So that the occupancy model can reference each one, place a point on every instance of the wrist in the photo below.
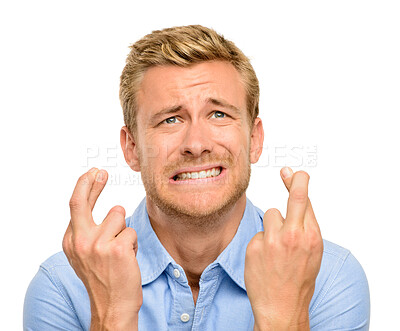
(267, 322)
(114, 324)
(113, 318)
(270, 324)
(281, 325)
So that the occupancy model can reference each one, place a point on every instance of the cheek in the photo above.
(159, 156)
(156, 149)
(234, 141)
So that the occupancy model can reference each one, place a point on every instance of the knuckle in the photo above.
(119, 222)
(132, 233)
(65, 244)
(81, 245)
(298, 195)
(119, 210)
(271, 241)
(313, 235)
(315, 240)
(130, 230)
(98, 248)
(74, 202)
(118, 250)
(272, 212)
(117, 215)
(254, 246)
(291, 238)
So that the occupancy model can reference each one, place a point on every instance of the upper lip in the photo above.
(196, 169)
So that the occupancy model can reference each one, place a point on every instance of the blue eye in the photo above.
(171, 120)
(219, 114)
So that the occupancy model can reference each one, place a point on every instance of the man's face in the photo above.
(193, 138)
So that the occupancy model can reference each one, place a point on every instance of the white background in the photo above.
(329, 75)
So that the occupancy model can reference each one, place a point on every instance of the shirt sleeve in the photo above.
(45, 307)
(346, 303)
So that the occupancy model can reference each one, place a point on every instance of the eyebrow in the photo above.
(165, 111)
(224, 104)
(174, 109)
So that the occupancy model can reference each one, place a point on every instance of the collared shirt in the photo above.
(57, 299)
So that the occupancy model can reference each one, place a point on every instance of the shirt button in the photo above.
(185, 317)
(177, 273)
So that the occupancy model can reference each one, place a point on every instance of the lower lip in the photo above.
(200, 180)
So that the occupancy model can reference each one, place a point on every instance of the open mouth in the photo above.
(208, 173)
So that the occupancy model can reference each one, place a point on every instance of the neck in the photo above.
(194, 247)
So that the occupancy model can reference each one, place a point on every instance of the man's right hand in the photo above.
(104, 257)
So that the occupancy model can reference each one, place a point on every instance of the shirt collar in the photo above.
(153, 258)
(233, 257)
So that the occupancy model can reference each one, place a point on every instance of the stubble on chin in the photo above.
(199, 213)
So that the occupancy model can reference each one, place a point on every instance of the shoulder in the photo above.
(55, 297)
(338, 263)
(61, 274)
(341, 295)
(57, 260)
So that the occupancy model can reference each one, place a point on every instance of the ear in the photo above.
(256, 140)
(130, 149)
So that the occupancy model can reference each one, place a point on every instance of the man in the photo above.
(196, 254)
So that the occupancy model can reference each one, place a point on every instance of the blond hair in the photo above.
(182, 46)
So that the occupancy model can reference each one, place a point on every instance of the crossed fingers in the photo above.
(87, 190)
(84, 197)
(300, 214)
(299, 209)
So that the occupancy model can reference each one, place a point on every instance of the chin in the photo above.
(200, 205)
(197, 205)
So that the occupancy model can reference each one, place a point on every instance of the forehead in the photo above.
(165, 86)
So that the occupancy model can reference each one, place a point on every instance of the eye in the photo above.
(171, 120)
(218, 114)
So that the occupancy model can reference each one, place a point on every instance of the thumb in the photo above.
(287, 176)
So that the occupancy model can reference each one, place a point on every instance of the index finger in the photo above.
(298, 199)
(81, 215)
(309, 217)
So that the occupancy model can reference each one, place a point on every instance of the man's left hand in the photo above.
(283, 261)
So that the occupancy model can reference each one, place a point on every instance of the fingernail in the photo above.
(286, 172)
(100, 176)
(93, 169)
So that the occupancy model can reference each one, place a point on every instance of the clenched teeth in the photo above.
(198, 174)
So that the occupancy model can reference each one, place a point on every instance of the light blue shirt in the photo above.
(57, 299)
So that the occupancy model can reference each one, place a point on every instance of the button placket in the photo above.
(183, 298)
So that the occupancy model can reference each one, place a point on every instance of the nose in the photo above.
(197, 141)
